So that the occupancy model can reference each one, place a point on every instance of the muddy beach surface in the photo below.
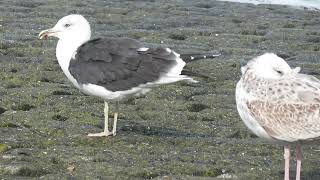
(178, 131)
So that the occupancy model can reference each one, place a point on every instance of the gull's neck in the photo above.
(65, 51)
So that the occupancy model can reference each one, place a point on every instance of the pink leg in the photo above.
(299, 158)
(286, 161)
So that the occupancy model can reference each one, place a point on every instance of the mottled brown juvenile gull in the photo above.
(112, 68)
(280, 104)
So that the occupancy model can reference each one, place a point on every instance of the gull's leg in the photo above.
(106, 131)
(286, 161)
(299, 158)
(115, 119)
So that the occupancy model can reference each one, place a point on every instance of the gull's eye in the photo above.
(279, 72)
(67, 25)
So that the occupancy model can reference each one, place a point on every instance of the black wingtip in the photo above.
(193, 57)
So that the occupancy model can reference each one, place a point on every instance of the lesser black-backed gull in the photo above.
(280, 104)
(112, 68)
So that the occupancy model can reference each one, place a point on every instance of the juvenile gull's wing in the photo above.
(287, 122)
(120, 64)
(292, 110)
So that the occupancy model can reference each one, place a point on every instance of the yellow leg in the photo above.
(115, 119)
(106, 131)
(106, 116)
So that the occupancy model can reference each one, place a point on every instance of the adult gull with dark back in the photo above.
(113, 68)
(280, 104)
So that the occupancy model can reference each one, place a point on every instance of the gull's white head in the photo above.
(73, 27)
(270, 66)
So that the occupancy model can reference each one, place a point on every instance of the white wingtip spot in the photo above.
(143, 49)
(74, 55)
(192, 57)
(168, 50)
(204, 57)
(296, 70)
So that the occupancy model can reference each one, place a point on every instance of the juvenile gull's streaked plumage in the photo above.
(279, 103)
(112, 68)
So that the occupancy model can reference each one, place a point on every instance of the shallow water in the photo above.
(313, 4)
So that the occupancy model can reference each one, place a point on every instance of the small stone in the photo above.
(227, 176)
(71, 168)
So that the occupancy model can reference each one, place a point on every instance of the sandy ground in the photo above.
(178, 131)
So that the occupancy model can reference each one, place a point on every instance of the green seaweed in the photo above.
(3, 148)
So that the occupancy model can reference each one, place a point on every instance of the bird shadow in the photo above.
(139, 128)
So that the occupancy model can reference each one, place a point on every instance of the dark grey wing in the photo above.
(118, 64)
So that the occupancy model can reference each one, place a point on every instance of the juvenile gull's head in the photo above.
(73, 27)
(270, 66)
